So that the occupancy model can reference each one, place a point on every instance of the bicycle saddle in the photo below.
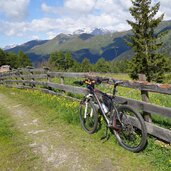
(117, 82)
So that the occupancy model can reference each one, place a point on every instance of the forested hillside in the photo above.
(91, 46)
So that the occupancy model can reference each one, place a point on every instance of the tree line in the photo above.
(63, 61)
(19, 60)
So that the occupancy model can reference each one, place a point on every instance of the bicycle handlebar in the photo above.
(92, 81)
(98, 80)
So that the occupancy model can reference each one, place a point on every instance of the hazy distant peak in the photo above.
(94, 31)
(100, 31)
(9, 46)
(81, 31)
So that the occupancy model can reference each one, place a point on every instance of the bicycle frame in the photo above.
(93, 92)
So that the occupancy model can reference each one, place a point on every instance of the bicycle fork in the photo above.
(88, 98)
(86, 109)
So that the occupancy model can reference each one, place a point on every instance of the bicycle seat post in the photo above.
(114, 89)
(116, 83)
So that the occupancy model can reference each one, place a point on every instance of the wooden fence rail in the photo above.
(140, 85)
(41, 79)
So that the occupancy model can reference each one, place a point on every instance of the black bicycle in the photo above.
(127, 124)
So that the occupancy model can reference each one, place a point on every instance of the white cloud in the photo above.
(71, 8)
(84, 6)
(75, 14)
(14, 9)
(35, 37)
(109, 14)
(47, 9)
(51, 35)
(165, 8)
(42, 25)
(13, 28)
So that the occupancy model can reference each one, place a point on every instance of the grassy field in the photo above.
(15, 153)
(53, 110)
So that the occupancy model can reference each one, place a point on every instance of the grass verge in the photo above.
(54, 110)
(15, 153)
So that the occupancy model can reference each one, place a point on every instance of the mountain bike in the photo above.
(122, 120)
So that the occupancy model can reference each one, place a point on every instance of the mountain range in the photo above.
(92, 45)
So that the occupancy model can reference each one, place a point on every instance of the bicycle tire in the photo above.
(132, 128)
(89, 121)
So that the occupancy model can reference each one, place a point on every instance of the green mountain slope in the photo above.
(109, 46)
(84, 45)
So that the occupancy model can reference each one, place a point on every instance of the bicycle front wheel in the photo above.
(131, 133)
(88, 116)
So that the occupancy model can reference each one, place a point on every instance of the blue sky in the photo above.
(24, 20)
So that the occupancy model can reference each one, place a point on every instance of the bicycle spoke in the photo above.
(132, 133)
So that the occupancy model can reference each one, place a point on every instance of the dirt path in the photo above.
(45, 141)
(48, 143)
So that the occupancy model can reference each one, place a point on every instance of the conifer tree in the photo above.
(86, 65)
(63, 61)
(145, 42)
(23, 60)
(102, 65)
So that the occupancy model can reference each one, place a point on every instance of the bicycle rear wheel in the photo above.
(131, 133)
(88, 116)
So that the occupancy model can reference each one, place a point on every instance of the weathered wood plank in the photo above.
(19, 86)
(58, 94)
(159, 132)
(68, 88)
(30, 83)
(67, 74)
(151, 108)
(33, 76)
(8, 76)
(22, 76)
(152, 129)
(37, 70)
(140, 85)
(10, 73)
(146, 86)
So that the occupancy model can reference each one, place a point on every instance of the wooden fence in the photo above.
(41, 79)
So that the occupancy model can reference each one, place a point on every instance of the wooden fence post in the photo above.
(32, 79)
(145, 98)
(21, 71)
(17, 75)
(62, 80)
(46, 70)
